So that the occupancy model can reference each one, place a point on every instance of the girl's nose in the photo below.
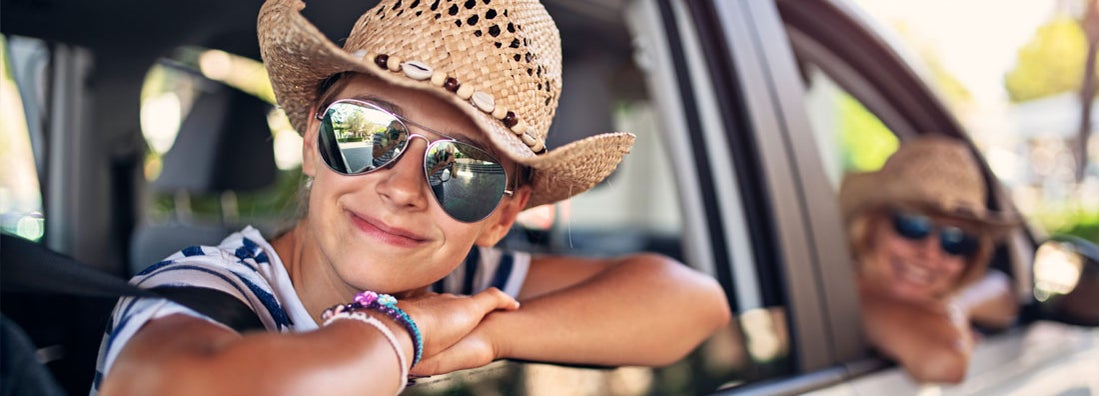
(403, 183)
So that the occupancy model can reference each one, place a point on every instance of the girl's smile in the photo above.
(378, 230)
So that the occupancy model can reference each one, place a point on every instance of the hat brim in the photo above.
(304, 57)
(864, 191)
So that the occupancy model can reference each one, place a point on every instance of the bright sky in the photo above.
(976, 40)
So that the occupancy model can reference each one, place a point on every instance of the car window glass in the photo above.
(20, 195)
(850, 138)
(638, 208)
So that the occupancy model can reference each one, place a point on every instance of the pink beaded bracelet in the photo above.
(389, 336)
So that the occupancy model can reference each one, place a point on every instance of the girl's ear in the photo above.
(309, 146)
(500, 222)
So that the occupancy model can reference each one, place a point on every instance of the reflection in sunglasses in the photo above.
(358, 137)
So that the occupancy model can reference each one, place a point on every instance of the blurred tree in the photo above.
(1054, 62)
(1051, 63)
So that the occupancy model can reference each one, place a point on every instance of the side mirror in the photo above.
(1066, 280)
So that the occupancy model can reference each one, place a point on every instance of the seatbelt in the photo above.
(30, 267)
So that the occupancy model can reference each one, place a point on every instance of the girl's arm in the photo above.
(185, 355)
(181, 354)
(644, 309)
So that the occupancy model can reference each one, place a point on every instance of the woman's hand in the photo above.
(929, 340)
(447, 321)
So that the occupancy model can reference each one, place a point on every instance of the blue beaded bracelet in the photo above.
(386, 304)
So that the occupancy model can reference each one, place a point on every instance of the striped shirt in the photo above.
(245, 266)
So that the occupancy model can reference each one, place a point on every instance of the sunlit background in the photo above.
(1013, 73)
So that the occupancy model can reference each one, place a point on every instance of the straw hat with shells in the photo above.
(499, 61)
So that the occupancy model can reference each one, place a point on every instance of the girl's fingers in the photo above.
(470, 352)
(492, 299)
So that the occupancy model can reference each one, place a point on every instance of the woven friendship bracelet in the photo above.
(386, 304)
(389, 336)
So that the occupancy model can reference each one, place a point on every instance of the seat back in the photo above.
(224, 146)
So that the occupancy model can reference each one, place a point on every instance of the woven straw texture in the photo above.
(934, 172)
(507, 49)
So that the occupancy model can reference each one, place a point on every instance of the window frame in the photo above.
(750, 60)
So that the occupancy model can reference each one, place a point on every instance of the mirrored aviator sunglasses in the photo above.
(916, 227)
(358, 137)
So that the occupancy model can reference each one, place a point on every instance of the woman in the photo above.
(922, 237)
(352, 296)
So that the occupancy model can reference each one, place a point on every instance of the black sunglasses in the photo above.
(358, 137)
(915, 226)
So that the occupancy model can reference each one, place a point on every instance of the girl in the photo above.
(358, 294)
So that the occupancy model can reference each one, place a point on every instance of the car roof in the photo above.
(154, 27)
(150, 29)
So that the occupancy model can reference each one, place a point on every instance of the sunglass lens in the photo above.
(356, 139)
(957, 242)
(466, 181)
(911, 226)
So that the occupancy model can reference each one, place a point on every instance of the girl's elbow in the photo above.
(714, 296)
(707, 295)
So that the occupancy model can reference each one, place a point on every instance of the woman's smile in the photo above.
(913, 274)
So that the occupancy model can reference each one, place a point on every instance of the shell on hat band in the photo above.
(483, 101)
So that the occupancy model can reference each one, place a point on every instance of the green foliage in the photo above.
(1088, 230)
(1051, 63)
(1071, 220)
(867, 142)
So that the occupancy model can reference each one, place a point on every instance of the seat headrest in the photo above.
(223, 144)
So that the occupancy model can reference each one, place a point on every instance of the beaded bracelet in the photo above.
(389, 336)
(387, 305)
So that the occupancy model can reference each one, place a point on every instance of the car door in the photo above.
(714, 125)
(837, 53)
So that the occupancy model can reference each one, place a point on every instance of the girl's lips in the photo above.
(382, 232)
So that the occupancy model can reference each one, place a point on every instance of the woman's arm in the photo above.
(643, 309)
(989, 302)
(930, 344)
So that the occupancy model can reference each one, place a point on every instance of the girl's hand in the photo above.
(446, 322)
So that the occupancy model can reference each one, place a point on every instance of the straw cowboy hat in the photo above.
(499, 61)
(935, 173)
